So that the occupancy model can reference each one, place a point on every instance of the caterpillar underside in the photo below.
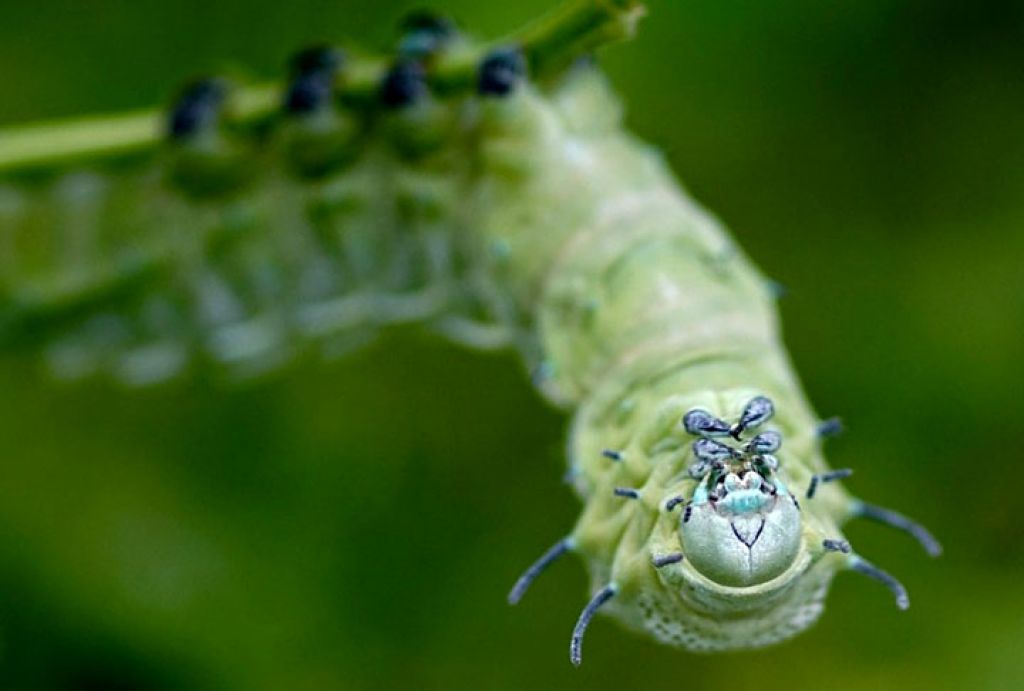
(503, 204)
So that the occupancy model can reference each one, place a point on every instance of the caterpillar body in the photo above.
(493, 195)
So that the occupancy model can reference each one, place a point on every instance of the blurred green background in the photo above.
(356, 525)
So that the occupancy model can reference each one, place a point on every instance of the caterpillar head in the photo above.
(742, 527)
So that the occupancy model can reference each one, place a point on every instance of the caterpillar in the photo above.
(490, 193)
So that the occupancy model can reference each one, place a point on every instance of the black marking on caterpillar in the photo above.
(197, 108)
(313, 74)
(424, 34)
(836, 545)
(496, 209)
(501, 71)
(404, 85)
(674, 502)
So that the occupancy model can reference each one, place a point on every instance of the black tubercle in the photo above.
(703, 423)
(832, 427)
(766, 442)
(711, 451)
(665, 560)
(717, 456)
(758, 411)
(500, 71)
(317, 58)
(197, 108)
(313, 72)
(403, 85)
(674, 502)
(424, 33)
(831, 545)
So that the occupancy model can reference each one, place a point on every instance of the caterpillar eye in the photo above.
(747, 537)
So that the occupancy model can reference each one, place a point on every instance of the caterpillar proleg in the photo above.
(490, 193)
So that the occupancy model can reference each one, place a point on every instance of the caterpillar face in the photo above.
(742, 533)
(742, 527)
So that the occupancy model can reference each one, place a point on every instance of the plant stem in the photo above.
(575, 29)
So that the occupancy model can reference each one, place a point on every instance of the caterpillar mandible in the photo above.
(490, 193)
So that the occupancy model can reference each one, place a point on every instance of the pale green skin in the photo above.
(557, 232)
(645, 309)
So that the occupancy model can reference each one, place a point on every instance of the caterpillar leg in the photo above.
(576, 645)
(564, 545)
(857, 563)
(900, 522)
(879, 514)
(410, 307)
(473, 334)
(602, 596)
(821, 478)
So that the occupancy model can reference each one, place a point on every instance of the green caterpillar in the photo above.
(489, 193)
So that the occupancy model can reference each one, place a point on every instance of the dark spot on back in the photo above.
(197, 108)
(319, 58)
(500, 71)
(312, 83)
(424, 33)
(404, 84)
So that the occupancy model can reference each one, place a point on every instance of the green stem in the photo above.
(576, 28)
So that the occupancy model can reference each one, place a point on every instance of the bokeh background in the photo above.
(356, 525)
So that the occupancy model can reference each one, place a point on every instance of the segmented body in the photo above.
(498, 211)
(138, 278)
(646, 309)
